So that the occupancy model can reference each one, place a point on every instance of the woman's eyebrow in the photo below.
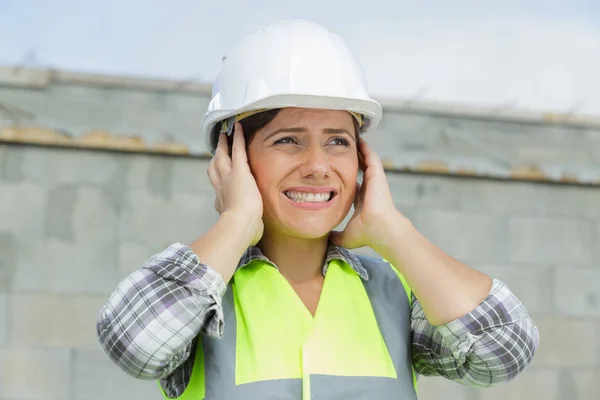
(336, 130)
(286, 130)
(332, 131)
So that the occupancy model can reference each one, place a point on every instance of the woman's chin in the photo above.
(309, 229)
(304, 225)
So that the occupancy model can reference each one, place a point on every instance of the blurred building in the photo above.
(97, 173)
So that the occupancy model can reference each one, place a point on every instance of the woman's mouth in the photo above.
(309, 197)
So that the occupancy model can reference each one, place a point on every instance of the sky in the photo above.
(531, 54)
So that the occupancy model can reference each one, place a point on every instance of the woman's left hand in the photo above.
(374, 207)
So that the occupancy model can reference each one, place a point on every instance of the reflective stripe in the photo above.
(391, 312)
(220, 354)
(410, 300)
(326, 387)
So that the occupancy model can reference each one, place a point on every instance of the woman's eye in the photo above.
(286, 140)
(340, 142)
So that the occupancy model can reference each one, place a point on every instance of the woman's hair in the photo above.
(256, 122)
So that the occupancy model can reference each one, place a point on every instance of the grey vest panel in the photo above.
(392, 311)
(324, 387)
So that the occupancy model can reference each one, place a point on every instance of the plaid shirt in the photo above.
(150, 324)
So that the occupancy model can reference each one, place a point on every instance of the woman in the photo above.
(270, 303)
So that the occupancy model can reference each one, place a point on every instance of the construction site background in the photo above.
(97, 173)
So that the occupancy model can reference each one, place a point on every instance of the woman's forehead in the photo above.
(317, 117)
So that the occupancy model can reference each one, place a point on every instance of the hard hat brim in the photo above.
(369, 108)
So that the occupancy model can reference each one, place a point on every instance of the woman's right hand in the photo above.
(237, 195)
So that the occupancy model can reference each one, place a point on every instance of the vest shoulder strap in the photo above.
(383, 268)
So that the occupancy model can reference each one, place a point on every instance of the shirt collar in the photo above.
(334, 252)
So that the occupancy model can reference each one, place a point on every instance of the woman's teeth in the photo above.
(303, 197)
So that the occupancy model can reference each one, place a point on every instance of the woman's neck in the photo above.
(299, 260)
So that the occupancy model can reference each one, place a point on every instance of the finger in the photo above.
(369, 156)
(214, 177)
(211, 165)
(361, 161)
(239, 155)
(217, 205)
(215, 181)
(222, 151)
(366, 151)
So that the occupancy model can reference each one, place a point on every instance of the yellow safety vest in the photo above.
(356, 347)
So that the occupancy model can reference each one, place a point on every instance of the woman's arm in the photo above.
(446, 288)
(148, 325)
(149, 322)
(466, 326)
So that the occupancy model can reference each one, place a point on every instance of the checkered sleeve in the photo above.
(490, 345)
(149, 323)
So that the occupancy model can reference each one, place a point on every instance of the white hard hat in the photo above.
(293, 63)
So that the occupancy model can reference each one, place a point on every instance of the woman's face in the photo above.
(305, 163)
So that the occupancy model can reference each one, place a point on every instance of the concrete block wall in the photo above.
(71, 107)
(73, 223)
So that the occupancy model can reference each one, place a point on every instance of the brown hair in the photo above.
(256, 122)
(250, 124)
